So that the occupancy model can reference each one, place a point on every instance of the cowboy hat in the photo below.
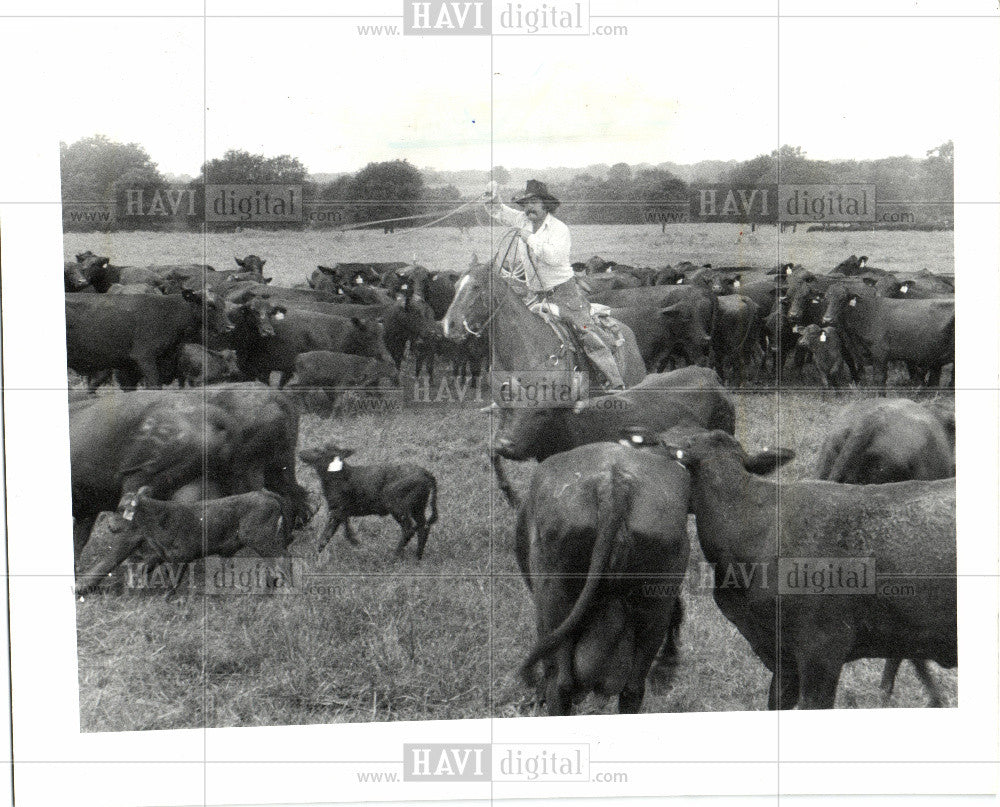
(535, 190)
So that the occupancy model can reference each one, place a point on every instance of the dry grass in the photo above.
(367, 637)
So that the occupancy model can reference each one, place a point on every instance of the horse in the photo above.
(520, 340)
(492, 294)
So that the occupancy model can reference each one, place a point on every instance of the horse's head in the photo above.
(468, 311)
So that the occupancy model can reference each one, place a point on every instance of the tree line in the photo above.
(122, 178)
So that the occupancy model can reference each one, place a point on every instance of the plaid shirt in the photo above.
(549, 246)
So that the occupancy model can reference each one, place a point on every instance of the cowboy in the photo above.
(550, 276)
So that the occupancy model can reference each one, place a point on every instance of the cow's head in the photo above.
(261, 314)
(800, 298)
(211, 307)
(527, 433)
(326, 459)
(73, 278)
(326, 278)
(251, 263)
(839, 299)
(690, 326)
(230, 363)
(726, 284)
(366, 338)
(91, 261)
(697, 449)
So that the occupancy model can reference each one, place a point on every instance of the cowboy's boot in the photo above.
(602, 358)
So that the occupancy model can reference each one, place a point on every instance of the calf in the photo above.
(322, 374)
(602, 544)
(181, 532)
(906, 529)
(827, 352)
(401, 490)
(197, 366)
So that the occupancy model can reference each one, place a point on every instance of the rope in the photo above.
(362, 224)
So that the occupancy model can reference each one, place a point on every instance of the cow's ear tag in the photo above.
(680, 280)
(404, 287)
(736, 284)
(279, 315)
(788, 270)
(822, 337)
(359, 280)
(637, 439)
(854, 302)
(679, 454)
(129, 512)
(904, 288)
(337, 464)
(340, 290)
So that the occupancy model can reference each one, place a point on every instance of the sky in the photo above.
(679, 90)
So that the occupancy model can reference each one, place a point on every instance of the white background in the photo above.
(680, 89)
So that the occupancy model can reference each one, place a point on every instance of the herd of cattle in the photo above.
(747, 323)
(601, 535)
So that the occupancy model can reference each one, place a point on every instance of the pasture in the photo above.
(363, 636)
(291, 256)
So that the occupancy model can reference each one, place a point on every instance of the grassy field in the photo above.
(367, 637)
(291, 257)
(363, 636)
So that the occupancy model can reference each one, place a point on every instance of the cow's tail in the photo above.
(613, 498)
(852, 452)
(503, 482)
(433, 501)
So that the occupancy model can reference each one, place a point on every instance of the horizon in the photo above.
(518, 169)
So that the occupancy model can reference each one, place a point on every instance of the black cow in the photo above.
(437, 290)
(300, 332)
(691, 395)
(857, 266)
(906, 528)
(220, 440)
(602, 544)
(252, 264)
(242, 291)
(918, 332)
(827, 351)
(197, 366)
(736, 338)
(73, 278)
(402, 490)
(121, 442)
(669, 276)
(410, 322)
(908, 288)
(320, 375)
(875, 442)
(131, 333)
(878, 441)
(181, 532)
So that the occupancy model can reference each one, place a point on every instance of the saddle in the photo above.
(609, 332)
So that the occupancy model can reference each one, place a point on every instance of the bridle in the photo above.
(508, 276)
